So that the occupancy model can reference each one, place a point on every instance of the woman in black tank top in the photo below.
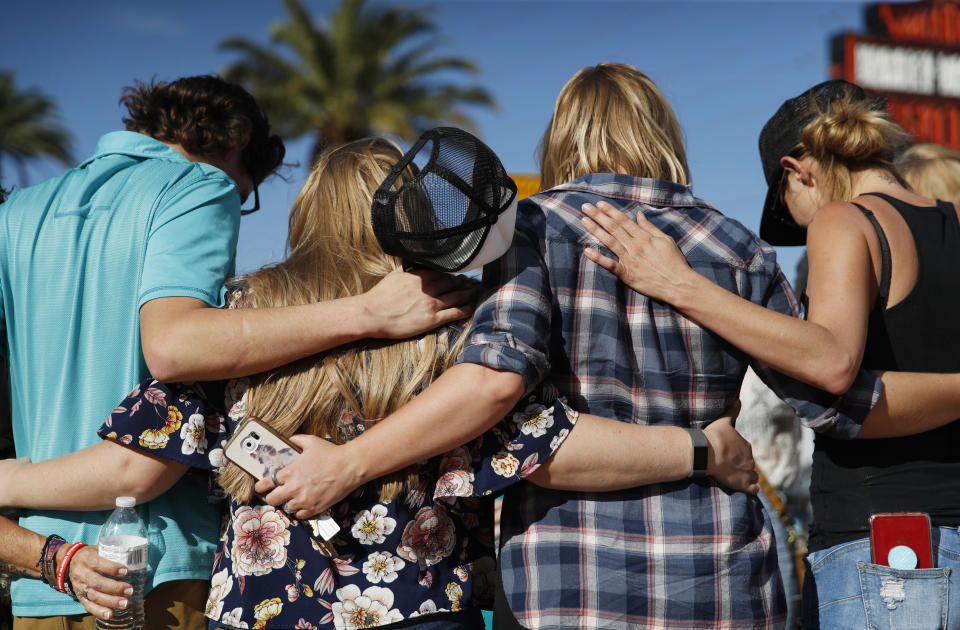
(884, 294)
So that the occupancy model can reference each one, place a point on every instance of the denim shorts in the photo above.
(843, 589)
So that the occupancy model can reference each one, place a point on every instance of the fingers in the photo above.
(455, 314)
(602, 228)
(279, 495)
(604, 261)
(99, 594)
(303, 442)
(461, 298)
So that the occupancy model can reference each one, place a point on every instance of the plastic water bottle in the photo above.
(123, 539)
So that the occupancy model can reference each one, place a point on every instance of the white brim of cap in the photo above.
(498, 239)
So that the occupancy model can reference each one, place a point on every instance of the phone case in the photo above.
(891, 531)
(258, 450)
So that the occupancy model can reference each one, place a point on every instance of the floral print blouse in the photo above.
(429, 550)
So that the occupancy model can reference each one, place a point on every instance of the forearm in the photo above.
(801, 349)
(460, 405)
(88, 479)
(913, 403)
(601, 454)
(20, 549)
(202, 343)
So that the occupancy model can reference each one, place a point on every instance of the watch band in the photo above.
(700, 453)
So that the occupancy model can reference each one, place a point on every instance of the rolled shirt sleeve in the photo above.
(511, 326)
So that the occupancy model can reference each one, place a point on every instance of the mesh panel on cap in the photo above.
(440, 217)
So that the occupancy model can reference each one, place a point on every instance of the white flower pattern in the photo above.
(382, 565)
(373, 525)
(373, 607)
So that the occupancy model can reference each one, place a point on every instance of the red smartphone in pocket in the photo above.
(901, 540)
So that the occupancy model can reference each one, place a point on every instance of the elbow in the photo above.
(148, 481)
(839, 376)
(163, 361)
(501, 388)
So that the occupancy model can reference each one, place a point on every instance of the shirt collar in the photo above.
(132, 144)
(648, 191)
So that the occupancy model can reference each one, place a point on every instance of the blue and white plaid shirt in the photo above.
(686, 554)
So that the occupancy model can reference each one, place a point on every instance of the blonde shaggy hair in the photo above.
(932, 171)
(334, 254)
(611, 118)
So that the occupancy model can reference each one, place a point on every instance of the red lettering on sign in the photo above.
(936, 21)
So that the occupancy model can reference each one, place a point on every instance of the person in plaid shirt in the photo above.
(670, 555)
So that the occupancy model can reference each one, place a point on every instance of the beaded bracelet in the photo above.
(64, 564)
(48, 559)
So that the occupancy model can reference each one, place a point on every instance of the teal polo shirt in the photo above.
(79, 255)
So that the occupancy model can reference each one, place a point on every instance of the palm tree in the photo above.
(367, 69)
(28, 127)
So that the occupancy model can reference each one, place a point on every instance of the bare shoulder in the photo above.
(838, 221)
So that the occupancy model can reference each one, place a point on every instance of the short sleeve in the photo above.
(837, 416)
(511, 326)
(182, 422)
(510, 451)
(192, 242)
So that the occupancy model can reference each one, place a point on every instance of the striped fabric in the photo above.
(687, 554)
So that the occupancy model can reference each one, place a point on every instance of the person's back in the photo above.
(916, 472)
(79, 255)
(617, 353)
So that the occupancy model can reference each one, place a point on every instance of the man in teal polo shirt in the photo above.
(114, 271)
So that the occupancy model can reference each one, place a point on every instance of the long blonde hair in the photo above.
(847, 135)
(611, 118)
(932, 171)
(334, 254)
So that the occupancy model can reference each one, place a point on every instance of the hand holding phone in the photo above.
(260, 452)
(901, 540)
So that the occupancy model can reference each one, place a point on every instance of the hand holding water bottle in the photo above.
(99, 594)
(123, 539)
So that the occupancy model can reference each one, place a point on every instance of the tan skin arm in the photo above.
(109, 469)
(478, 397)
(825, 351)
(184, 339)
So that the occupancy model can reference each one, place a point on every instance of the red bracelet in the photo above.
(62, 569)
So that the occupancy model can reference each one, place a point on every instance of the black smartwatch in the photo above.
(700, 453)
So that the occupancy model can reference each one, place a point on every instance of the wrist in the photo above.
(700, 454)
(364, 321)
(357, 467)
(685, 291)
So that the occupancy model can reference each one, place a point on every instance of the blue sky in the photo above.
(724, 66)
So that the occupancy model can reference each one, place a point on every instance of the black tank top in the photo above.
(852, 479)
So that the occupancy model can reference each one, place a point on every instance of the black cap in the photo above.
(779, 137)
(439, 219)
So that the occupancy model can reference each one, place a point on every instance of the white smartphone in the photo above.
(259, 451)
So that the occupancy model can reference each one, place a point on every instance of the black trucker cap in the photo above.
(441, 217)
(778, 138)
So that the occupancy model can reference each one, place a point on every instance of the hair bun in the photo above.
(852, 131)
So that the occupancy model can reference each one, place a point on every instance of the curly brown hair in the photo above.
(206, 116)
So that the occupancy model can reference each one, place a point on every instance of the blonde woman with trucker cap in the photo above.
(883, 294)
